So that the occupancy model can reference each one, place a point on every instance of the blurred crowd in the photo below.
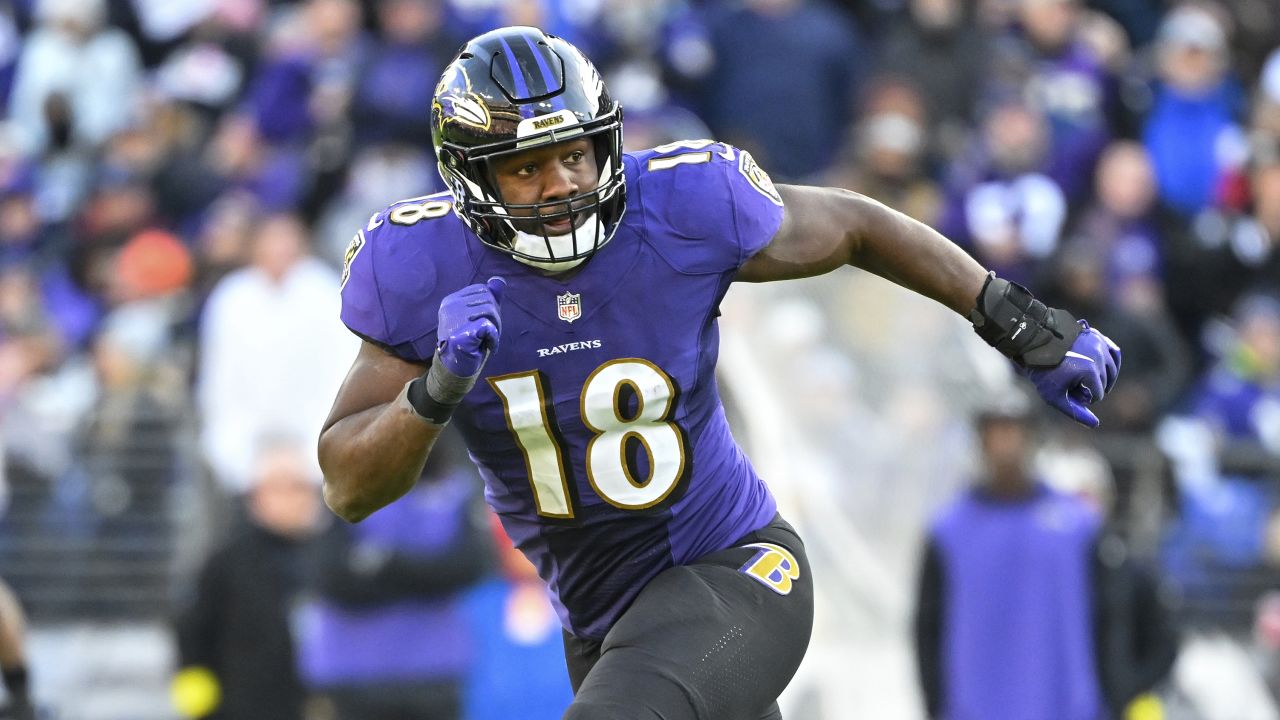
(179, 178)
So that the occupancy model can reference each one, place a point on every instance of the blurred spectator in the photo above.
(28, 342)
(236, 658)
(379, 175)
(1266, 109)
(1191, 130)
(1226, 253)
(1023, 611)
(20, 223)
(334, 50)
(146, 287)
(290, 142)
(1254, 26)
(242, 160)
(11, 39)
(1139, 18)
(1110, 269)
(269, 337)
(164, 20)
(77, 78)
(224, 240)
(1227, 448)
(1121, 225)
(13, 658)
(1106, 39)
(644, 31)
(141, 395)
(396, 82)
(308, 72)
(201, 72)
(120, 204)
(125, 451)
(1266, 639)
(384, 585)
(784, 82)
(888, 155)
(1240, 396)
(185, 177)
(37, 411)
(518, 666)
(939, 49)
(1001, 205)
(1049, 66)
(663, 53)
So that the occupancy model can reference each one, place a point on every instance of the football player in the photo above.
(558, 304)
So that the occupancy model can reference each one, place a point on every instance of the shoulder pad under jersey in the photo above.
(398, 267)
(707, 206)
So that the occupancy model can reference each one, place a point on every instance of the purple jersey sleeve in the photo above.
(713, 202)
(396, 270)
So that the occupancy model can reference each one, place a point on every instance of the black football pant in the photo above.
(718, 639)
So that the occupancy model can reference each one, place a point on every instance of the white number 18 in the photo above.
(525, 401)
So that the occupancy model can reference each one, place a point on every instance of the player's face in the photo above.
(545, 175)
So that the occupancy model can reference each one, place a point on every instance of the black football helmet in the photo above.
(509, 90)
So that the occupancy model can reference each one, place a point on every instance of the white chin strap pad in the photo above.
(561, 246)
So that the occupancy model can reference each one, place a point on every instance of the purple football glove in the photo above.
(1085, 375)
(470, 325)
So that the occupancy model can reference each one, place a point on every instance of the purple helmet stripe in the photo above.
(548, 78)
(522, 89)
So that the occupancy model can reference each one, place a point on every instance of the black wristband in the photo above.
(426, 406)
(15, 681)
(1021, 327)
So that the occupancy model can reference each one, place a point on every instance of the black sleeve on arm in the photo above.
(1010, 319)
(928, 626)
(350, 574)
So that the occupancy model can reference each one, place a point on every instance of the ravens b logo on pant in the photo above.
(774, 566)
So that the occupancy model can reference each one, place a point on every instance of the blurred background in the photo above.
(178, 182)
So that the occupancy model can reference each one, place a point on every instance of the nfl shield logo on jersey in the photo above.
(569, 305)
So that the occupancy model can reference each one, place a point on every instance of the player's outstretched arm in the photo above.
(1070, 364)
(388, 412)
(826, 228)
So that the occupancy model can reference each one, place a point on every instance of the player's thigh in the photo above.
(718, 639)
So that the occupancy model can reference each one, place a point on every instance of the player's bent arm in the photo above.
(824, 228)
(373, 445)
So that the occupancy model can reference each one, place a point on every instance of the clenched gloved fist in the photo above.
(1071, 364)
(470, 325)
(1086, 373)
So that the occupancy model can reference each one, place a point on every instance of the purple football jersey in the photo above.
(596, 424)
